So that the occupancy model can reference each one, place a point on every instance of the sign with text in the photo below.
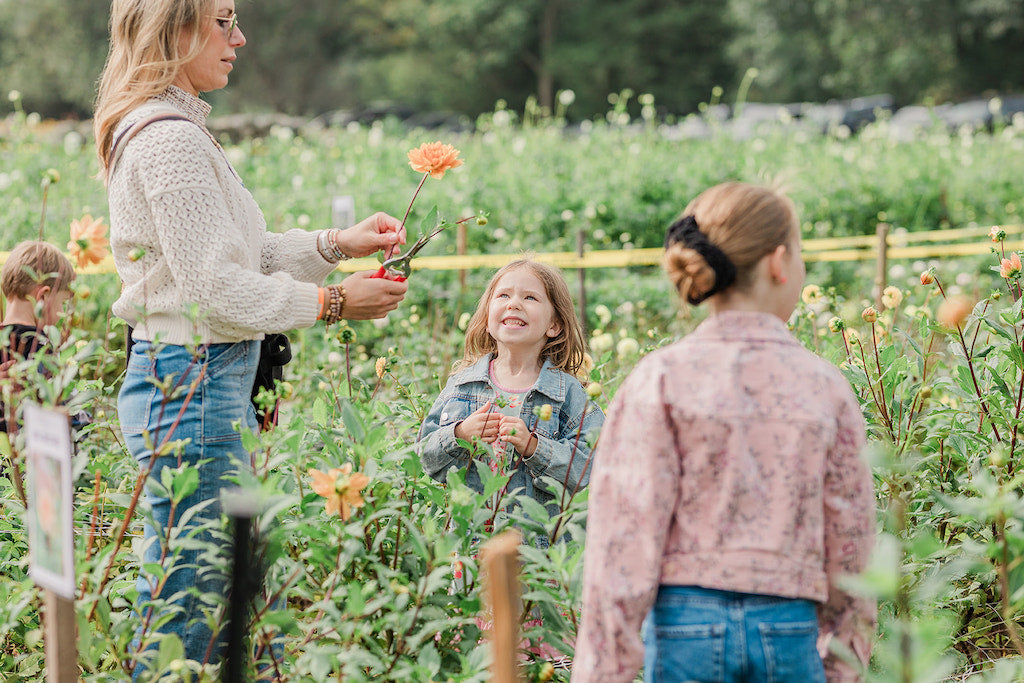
(50, 519)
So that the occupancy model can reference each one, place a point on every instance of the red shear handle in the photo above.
(382, 273)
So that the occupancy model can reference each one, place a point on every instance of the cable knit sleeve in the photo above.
(294, 252)
(212, 239)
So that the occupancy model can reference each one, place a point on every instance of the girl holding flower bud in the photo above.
(728, 494)
(525, 342)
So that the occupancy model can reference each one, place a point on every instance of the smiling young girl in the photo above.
(524, 346)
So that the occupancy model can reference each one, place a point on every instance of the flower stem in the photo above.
(408, 210)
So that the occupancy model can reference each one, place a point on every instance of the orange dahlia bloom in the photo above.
(954, 311)
(341, 487)
(1010, 267)
(88, 240)
(434, 158)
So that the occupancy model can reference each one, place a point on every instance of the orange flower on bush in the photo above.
(954, 310)
(1010, 267)
(434, 158)
(89, 241)
(341, 487)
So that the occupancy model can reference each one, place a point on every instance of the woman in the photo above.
(203, 282)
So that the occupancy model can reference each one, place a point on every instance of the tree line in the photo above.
(464, 56)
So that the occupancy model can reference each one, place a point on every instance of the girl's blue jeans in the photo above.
(184, 570)
(701, 635)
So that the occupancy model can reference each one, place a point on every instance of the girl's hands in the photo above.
(482, 423)
(370, 235)
(367, 297)
(514, 431)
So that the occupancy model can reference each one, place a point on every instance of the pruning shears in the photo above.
(398, 268)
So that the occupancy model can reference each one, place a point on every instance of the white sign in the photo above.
(50, 503)
(343, 211)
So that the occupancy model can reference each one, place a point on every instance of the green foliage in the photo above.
(374, 597)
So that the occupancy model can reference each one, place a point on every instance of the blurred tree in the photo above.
(465, 55)
(912, 49)
(52, 52)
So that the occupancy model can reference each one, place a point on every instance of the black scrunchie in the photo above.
(686, 231)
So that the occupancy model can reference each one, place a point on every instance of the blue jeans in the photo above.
(187, 540)
(701, 635)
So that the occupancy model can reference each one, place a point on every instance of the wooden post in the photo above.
(882, 261)
(61, 645)
(581, 237)
(460, 249)
(500, 557)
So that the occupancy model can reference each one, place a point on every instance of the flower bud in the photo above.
(870, 315)
(285, 390)
(927, 277)
(543, 412)
(481, 220)
(346, 335)
(594, 390)
(136, 254)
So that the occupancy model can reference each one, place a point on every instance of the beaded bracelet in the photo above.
(327, 245)
(335, 297)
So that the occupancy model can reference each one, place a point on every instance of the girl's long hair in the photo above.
(744, 221)
(566, 350)
(150, 41)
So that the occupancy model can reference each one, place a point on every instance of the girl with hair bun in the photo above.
(728, 495)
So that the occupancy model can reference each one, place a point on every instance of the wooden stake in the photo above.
(460, 249)
(882, 261)
(60, 633)
(500, 557)
(581, 238)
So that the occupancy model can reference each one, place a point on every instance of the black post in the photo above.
(243, 586)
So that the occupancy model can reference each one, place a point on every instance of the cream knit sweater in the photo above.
(209, 271)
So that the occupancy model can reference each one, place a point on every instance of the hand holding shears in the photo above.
(398, 268)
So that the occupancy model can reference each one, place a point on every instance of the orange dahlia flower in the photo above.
(341, 487)
(954, 311)
(434, 158)
(88, 240)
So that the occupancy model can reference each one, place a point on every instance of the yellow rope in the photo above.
(851, 248)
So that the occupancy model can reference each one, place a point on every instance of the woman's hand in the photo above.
(482, 424)
(367, 298)
(514, 431)
(370, 235)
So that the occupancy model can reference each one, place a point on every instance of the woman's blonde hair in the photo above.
(744, 221)
(150, 41)
(565, 350)
(34, 264)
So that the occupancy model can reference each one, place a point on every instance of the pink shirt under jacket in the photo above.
(729, 460)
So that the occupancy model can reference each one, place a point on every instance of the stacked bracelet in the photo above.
(327, 245)
(334, 307)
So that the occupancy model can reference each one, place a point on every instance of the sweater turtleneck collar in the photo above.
(191, 106)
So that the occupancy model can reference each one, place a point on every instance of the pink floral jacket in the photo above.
(729, 460)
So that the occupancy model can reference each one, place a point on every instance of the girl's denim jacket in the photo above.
(563, 450)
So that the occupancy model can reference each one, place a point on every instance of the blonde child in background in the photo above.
(524, 347)
(728, 494)
(36, 283)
